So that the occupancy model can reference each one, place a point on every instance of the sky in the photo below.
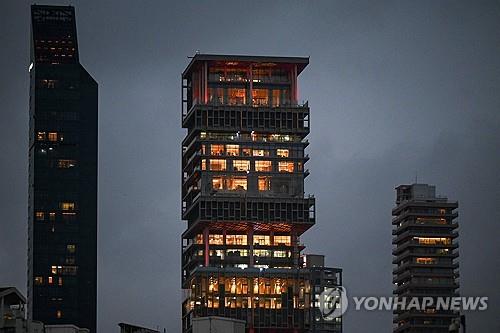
(398, 90)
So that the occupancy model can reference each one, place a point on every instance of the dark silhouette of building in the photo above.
(243, 192)
(425, 256)
(62, 250)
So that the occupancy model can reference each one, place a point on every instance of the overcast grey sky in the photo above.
(395, 88)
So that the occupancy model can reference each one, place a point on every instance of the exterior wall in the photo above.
(62, 226)
(218, 324)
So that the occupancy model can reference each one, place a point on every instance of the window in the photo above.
(217, 165)
(217, 150)
(50, 280)
(59, 314)
(38, 280)
(217, 183)
(236, 96)
(52, 216)
(241, 165)
(276, 97)
(232, 150)
(203, 164)
(426, 261)
(282, 152)
(261, 240)
(260, 152)
(264, 183)
(285, 166)
(67, 206)
(265, 166)
(237, 252)
(40, 136)
(246, 151)
(281, 254)
(71, 248)
(66, 164)
(53, 136)
(282, 240)
(216, 239)
(236, 239)
(198, 239)
(60, 281)
(260, 97)
(237, 183)
(40, 216)
(216, 95)
(262, 253)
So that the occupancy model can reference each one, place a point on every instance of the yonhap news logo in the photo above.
(333, 303)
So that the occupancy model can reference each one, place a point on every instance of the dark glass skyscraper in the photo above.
(243, 194)
(62, 249)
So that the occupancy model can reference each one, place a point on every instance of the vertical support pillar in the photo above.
(205, 82)
(295, 245)
(205, 242)
(250, 243)
(250, 90)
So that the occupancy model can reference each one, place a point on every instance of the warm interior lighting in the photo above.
(285, 167)
(232, 150)
(264, 183)
(282, 240)
(282, 152)
(216, 150)
(216, 239)
(52, 136)
(66, 164)
(217, 165)
(261, 240)
(263, 166)
(241, 165)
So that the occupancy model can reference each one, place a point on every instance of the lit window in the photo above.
(232, 150)
(236, 239)
(217, 165)
(246, 151)
(40, 216)
(60, 281)
(71, 248)
(260, 97)
(52, 216)
(282, 152)
(426, 261)
(282, 240)
(285, 166)
(261, 240)
(264, 183)
(215, 239)
(237, 252)
(281, 254)
(52, 136)
(236, 96)
(50, 280)
(237, 183)
(59, 314)
(198, 239)
(260, 152)
(265, 166)
(241, 165)
(262, 253)
(67, 206)
(40, 136)
(203, 164)
(38, 280)
(217, 183)
(217, 150)
(66, 164)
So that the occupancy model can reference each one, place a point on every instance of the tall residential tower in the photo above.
(425, 256)
(62, 249)
(243, 194)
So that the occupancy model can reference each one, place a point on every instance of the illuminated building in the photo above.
(243, 192)
(425, 256)
(62, 245)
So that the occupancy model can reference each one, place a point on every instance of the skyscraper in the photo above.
(62, 249)
(243, 193)
(425, 256)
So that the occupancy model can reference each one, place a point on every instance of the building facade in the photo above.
(62, 249)
(425, 256)
(243, 196)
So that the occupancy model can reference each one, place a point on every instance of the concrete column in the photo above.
(206, 253)
(250, 243)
